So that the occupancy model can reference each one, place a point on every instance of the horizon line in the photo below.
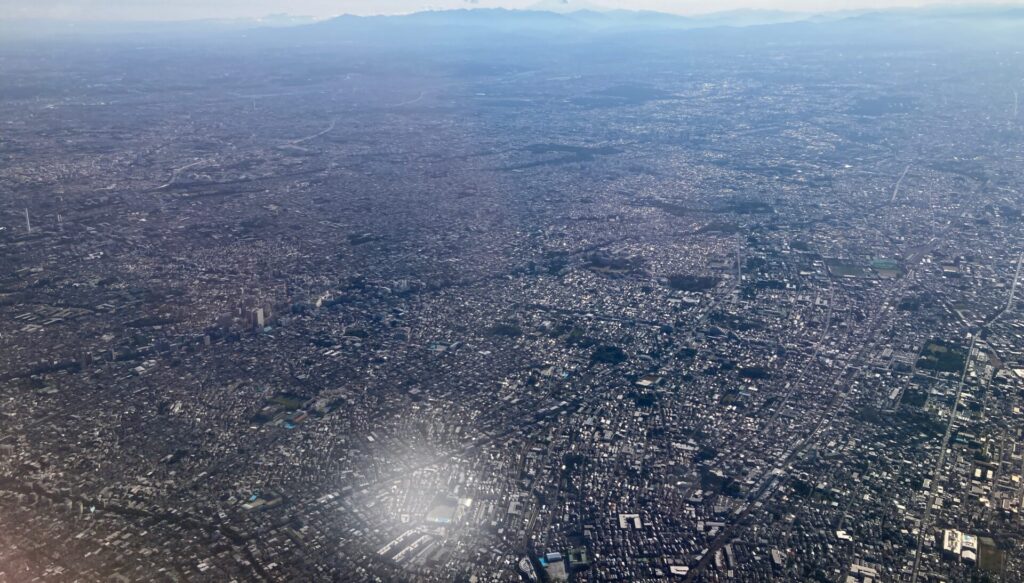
(309, 19)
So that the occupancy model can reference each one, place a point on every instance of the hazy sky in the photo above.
(192, 9)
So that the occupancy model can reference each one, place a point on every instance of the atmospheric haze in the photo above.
(144, 10)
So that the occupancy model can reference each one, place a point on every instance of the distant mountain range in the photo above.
(557, 17)
(594, 18)
(955, 23)
(580, 20)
